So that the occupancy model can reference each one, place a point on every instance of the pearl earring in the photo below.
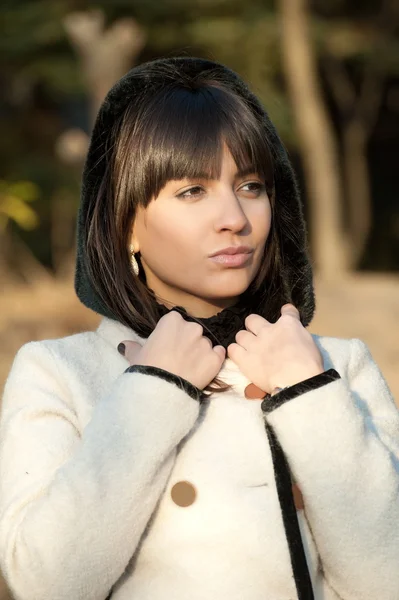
(134, 262)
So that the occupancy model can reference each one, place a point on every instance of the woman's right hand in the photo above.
(178, 346)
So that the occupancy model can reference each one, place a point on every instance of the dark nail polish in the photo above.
(121, 348)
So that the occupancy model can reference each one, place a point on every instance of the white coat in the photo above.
(93, 460)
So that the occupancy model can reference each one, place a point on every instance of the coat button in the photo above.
(183, 493)
(253, 392)
(298, 498)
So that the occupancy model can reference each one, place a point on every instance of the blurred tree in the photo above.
(37, 73)
(105, 53)
(54, 81)
(316, 139)
(15, 199)
(357, 57)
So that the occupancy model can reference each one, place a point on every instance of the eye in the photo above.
(193, 192)
(255, 188)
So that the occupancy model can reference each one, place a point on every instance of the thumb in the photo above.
(129, 350)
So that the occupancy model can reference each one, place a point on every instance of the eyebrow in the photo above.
(241, 173)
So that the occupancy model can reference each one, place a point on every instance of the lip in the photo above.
(231, 250)
(232, 260)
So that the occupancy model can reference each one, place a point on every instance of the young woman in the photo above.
(201, 443)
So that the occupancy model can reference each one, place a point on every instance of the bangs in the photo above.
(180, 133)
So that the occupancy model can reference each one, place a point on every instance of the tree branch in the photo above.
(105, 54)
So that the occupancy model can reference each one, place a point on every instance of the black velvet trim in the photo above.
(181, 383)
(270, 403)
(289, 514)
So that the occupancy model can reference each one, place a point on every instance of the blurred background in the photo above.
(326, 70)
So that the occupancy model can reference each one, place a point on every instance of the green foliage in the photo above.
(15, 199)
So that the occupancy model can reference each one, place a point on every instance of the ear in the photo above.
(133, 239)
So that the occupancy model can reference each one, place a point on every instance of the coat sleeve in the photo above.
(341, 440)
(74, 504)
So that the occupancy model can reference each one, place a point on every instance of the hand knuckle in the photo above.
(207, 341)
(176, 315)
(165, 318)
(286, 319)
(195, 327)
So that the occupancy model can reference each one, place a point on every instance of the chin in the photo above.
(226, 292)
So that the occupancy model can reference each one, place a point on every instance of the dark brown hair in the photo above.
(175, 133)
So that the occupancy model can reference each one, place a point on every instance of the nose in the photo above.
(230, 213)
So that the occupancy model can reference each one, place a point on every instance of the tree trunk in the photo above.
(317, 142)
(358, 190)
(359, 114)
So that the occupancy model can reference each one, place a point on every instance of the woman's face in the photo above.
(192, 219)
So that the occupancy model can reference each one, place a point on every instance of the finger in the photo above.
(255, 323)
(236, 352)
(290, 309)
(221, 352)
(129, 349)
(208, 340)
(245, 339)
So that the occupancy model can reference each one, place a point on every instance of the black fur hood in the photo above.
(297, 271)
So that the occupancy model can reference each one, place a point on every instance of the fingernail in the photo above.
(121, 348)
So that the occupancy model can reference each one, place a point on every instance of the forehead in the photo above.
(228, 164)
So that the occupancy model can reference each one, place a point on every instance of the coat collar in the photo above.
(114, 332)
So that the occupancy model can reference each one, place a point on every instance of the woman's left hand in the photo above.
(276, 354)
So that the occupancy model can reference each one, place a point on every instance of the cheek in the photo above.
(167, 235)
(261, 218)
